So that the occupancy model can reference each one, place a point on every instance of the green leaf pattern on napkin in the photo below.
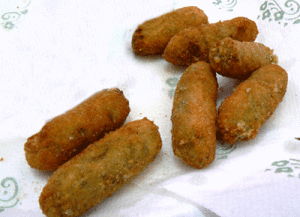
(282, 12)
(172, 83)
(9, 190)
(225, 4)
(10, 18)
(224, 149)
(290, 167)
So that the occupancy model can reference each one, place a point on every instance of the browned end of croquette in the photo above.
(242, 29)
(186, 47)
(152, 36)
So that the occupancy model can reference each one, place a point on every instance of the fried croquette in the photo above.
(251, 104)
(192, 44)
(194, 116)
(235, 59)
(101, 169)
(68, 134)
(152, 36)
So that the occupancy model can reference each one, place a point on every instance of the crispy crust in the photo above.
(68, 134)
(101, 169)
(194, 116)
(192, 44)
(252, 103)
(235, 59)
(152, 36)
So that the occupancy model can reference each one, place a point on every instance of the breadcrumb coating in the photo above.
(101, 169)
(152, 36)
(193, 44)
(252, 103)
(194, 116)
(235, 59)
(68, 134)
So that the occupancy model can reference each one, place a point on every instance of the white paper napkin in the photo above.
(55, 54)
